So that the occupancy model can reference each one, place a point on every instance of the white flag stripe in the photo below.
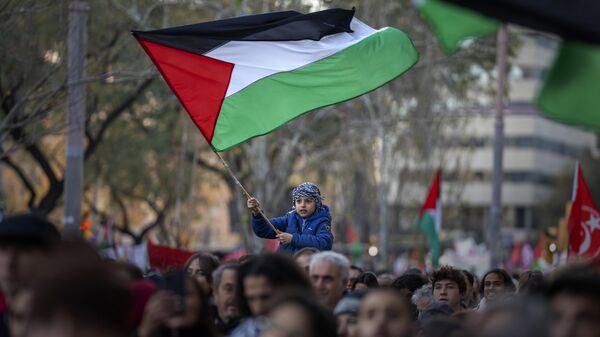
(254, 60)
(438, 214)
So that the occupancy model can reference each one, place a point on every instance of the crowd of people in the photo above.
(56, 288)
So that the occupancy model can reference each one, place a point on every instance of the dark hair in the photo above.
(360, 270)
(208, 263)
(410, 281)
(132, 271)
(441, 326)
(577, 279)
(206, 325)
(246, 258)
(306, 251)
(532, 282)
(367, 278)
(76, 282)
(392, 291)
(28, 229)
(470, 277)
(508, 284)
(280, 270)
(452, 274)
(321, 321)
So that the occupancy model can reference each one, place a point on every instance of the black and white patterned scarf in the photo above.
(307, 190)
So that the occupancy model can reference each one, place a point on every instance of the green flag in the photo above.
(571, 92)
(452, 23)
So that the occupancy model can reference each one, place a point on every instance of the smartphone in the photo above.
(174, 282)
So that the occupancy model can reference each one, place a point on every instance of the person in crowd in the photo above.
(201, 266)
(365, 281)
(226, 311)
(449, 287)
(346, 314)
(142, 291)
(408, 283)
(24, 239)
(293, 313)
(329, 275)
(75, 293)
(354, 272)
(574, 298)
(442, 327)
(258, 281)
(308, 224)
(511, 317)
(434, 310)
(496, 285)
(128, 271)
(422, 297)
(20, 310)
(385, 312)
(531, 282)
(303, 257)
(472, 296)
(385, 279)
(169, 314)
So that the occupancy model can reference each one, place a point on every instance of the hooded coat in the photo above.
(314, 231)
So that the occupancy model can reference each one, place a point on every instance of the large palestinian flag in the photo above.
(244, 77)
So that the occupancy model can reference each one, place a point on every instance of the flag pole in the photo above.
(244, 191)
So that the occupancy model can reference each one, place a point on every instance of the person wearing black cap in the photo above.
(24, 238)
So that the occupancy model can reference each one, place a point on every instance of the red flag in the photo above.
(351, 236)
(584, 221)
(163, 257)
(271, 245)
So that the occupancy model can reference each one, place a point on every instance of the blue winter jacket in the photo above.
(314, 231)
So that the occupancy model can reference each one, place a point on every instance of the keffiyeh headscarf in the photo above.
(307, 190)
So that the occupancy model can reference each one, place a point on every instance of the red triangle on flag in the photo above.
(433, 195)
(200, 82)
(584, 221)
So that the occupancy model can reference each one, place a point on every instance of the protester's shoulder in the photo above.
(324, 213)
(247, 328)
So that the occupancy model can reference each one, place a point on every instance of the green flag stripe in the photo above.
(272, 101)
(427, 225)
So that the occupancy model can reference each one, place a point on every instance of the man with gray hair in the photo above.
(422, 297)
(226, 311)
(329, 272)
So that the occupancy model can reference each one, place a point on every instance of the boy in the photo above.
(449, 287)
(307, 225)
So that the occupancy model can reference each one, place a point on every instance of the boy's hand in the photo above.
(284, 237)
(253, 204)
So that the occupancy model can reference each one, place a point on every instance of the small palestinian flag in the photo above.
(430, 219)
(244, 77)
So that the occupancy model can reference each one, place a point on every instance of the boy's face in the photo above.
(305, 206)
(447, 291)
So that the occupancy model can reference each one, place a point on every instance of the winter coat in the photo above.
(314, 231)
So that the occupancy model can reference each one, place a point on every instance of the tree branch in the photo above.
(94, 141)
(23, 178)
